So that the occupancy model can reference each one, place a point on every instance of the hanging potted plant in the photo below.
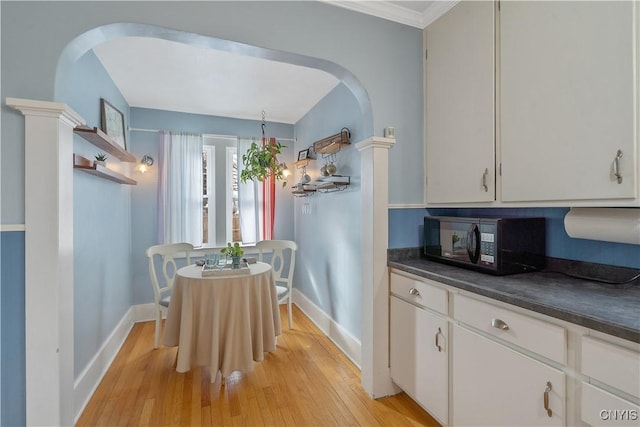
(261, 162)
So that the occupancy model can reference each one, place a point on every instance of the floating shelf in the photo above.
(302, 163)
(101, 140)
(303, 190)
(333, 183)
(86, 165)
(332, 144)
(303, 193)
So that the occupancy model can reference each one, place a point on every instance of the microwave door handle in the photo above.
(473, 243)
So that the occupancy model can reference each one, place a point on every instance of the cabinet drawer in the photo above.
(532, 334)
(613, 365)
(420, 292)
(600, 408)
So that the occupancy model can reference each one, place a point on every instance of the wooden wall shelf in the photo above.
(302, 163)
(332, 144)
(333, 183)
(101, 140)
(86, 165)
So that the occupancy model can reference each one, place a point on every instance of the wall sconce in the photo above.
(145, 163)
(285, 170)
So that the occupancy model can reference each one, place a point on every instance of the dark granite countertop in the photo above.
(610, 309)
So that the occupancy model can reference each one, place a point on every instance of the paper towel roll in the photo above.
(620, 225)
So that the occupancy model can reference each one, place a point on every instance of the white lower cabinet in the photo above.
(618, 369)
(474, 361)
(494, 385)
(419, 356)
(601, 408)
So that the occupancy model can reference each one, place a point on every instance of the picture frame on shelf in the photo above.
(303, 154)
(112, 122)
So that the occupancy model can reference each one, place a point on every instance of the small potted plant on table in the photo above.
(235, 252)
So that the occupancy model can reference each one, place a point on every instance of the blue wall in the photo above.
(102, 220)
(406, 225)
(144, 211)
(329, 238)
(12, 375)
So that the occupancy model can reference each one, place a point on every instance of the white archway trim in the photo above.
(375, 375)
(86, 41)
(48, 259)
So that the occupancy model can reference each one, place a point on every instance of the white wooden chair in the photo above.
(280, 249)
(162, 288)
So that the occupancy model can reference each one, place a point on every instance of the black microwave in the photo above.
(493, 245)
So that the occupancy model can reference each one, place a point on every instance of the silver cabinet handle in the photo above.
(546, 399)
(484, 180)
(499, 324)
(438, 341)
(616, 167)
(414, 291)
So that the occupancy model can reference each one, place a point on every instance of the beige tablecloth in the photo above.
(223, 322)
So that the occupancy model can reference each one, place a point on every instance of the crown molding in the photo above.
(381, 9)
(392, 12)
(436, 10)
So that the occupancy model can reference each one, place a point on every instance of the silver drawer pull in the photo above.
(438, 346)
(414, 291)
(499, 324)
(616, 167)
(546, 399)
(484, 180)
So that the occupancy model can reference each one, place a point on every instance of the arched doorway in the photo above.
(59, 390)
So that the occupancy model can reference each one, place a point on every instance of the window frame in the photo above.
(210, 150)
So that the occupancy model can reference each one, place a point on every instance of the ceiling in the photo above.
(166, 75)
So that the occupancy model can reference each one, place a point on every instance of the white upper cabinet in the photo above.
(460, 141)
(567, 97)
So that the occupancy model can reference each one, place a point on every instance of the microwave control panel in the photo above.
(487, 244)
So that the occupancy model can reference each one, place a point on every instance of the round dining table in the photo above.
(224, 322)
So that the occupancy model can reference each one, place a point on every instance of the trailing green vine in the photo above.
(261, 162)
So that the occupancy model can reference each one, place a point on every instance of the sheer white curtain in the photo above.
(249, 200)
(180, 188)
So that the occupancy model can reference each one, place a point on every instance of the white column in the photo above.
(48, 259)
(375, 375)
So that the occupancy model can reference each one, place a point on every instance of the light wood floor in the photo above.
(307, 381)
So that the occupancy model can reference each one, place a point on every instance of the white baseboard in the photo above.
(346, 342)
(144, 312)
(89, 379)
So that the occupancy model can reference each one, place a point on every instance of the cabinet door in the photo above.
(419, 363)
(460, 137)
(567, 98)
(494, 385)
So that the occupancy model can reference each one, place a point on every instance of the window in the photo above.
(220, 210)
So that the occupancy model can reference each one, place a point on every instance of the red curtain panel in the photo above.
(268, 200)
